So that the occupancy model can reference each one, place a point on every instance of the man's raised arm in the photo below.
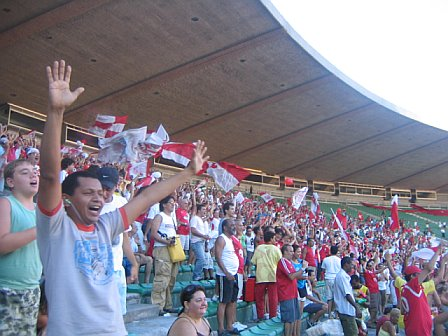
(59, 98)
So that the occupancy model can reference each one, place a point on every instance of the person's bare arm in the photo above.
(60, 98)
(11, 241)
(430, 265)
(127, 250)
(388, 258)
(441, 274)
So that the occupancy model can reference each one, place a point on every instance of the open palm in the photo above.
(60, 96)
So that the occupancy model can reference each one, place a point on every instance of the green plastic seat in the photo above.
(256, 330)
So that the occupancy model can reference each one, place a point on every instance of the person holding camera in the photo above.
(165, 272)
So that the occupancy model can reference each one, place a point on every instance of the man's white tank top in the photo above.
(229, 257)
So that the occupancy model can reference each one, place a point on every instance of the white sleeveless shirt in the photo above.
(166, 227)
(229, 257)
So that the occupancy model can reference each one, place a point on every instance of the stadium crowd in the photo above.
(91, 236)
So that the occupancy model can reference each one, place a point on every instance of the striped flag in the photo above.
(107, 126)
(226, 175)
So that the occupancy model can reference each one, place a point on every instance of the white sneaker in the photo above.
(266, 316)
(239, 326)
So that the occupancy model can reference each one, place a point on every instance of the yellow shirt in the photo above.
(266, 258)
(428, 286)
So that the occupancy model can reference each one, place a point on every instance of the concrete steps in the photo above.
(140, 311)
(155, 326)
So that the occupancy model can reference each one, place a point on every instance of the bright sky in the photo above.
(396, 49)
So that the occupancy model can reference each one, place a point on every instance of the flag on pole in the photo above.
(298, 197)
(239, 198)
(226, 175)
(315, 207)
(339, 225)
(266, 197)
(107, 126)
(394, 222)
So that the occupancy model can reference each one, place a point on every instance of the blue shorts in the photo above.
(289, 310)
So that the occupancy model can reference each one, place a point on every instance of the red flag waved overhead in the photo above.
(394, 223)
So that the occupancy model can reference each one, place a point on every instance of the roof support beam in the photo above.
(48, 19)
(296, 133)
(417, 173)
(341, 178)
(345, 148)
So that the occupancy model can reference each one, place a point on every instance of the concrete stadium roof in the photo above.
(229, 72)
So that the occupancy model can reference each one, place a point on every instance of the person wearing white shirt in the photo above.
(332, 266)
(345, 302)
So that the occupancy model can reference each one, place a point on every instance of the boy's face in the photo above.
(25, 179)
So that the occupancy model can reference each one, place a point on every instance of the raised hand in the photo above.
(198, 159)
(60, 96)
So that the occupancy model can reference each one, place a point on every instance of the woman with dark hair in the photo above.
(163, 231)
(191, 321)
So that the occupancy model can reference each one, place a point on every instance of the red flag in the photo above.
(226, 175)
(146, 181)
(107, 126)
(394, 223)
(178, 152)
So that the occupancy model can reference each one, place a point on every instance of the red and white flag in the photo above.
(107, 126)
(315, 207)
(146, 181)
(226, 175)
(153, 143)
(298, 197)
(266, 197)
(394, 221)
(178, 152)
(339, 225)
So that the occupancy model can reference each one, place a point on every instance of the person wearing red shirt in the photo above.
(372, 284)
(323, 253)
(286, 277)
(308, 254)
(413, 304)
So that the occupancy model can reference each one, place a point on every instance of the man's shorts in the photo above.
(249, 258)
(329, 286)
(228, 289)
(289, 310)
(185, 242)
(313, 308)
(18, 311)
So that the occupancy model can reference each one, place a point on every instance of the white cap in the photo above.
(32, 150)
(156, 175)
